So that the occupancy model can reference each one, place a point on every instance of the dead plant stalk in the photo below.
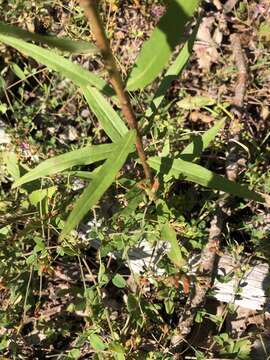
(95, 22)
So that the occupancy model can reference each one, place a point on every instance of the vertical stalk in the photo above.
(92, 14)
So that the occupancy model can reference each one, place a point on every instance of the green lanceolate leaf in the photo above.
(53, 61)
(86, 175)
(101, 182)
(200, 175)
(18, 72)
(156, 52)
(201, 142)
(173, 72)
(174, 254)
(63, 44)
(110, 121)
(84, 156)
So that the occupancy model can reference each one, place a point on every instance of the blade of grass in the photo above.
(101, 182)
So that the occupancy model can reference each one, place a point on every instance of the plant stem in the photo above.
(92, 14)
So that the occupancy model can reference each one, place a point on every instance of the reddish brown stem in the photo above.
(90, 8)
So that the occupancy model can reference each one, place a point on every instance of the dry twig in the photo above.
(206, 275)
(232, 160)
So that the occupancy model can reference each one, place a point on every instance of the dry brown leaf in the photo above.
(197, 116)
(205, 48)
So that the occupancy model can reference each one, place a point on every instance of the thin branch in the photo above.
(205, 277)
(240, 61)
(90, 8)
(232, 161)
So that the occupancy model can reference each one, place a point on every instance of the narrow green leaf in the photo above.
(174, 254)
(156, 51)
(169, 306)
(110, 121)
(2, 84)
(97, 342)
(63, 44)
(87, 175)
(195, 102)
(18, 71)
(201, 142)
(101, 182)
(84, 156)
(173, 72)
(53, 61)
(199, 175)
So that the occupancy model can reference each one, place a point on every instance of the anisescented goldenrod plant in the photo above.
(123, 130)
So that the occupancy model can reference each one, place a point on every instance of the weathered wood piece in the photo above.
(248, 285)
(249, 279)
(250, 289)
